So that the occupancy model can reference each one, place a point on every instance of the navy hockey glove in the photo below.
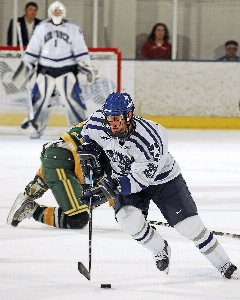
(89, 158)
(106, 190)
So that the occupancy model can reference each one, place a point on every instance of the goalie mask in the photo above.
(57, 12)
(118, 111)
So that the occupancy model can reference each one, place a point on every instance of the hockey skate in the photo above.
(228, 271)
(37, 133)
(163, 258)
(22, 208)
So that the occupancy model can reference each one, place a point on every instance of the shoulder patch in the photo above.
(70, 21)
(45, 21)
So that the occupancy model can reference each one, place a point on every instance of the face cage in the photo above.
(57, 12)
(120, 135)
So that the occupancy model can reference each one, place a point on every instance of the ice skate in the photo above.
(37, 133)
(22, 208)
(163, 258)
(228, 271)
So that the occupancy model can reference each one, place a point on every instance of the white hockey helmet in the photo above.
(57, 11)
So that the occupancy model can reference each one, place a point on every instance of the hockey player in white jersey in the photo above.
(144, 170)
(59, 48)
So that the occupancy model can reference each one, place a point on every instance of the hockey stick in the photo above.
(233, 235)
(29, 76)
(81, 268)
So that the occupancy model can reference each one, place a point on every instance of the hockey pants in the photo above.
(58, 173)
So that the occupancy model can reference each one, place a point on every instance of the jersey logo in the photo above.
(123, 162)
(150, 171)
(105, 138)
(155, 151)
(56, 34)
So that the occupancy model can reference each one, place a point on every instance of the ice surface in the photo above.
(39, 262)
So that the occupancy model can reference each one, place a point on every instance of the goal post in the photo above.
(13, 102)
(118, 55)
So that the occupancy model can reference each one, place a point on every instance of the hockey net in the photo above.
(13, 102)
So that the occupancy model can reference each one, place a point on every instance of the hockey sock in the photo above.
(194, 229)
(132, 221)
(52, 216)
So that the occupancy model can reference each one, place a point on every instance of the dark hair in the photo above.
(232, 42)
(152, 34)
(31, 4)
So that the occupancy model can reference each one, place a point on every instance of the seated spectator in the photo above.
(231, 48)
(157, 45)
(28, 23)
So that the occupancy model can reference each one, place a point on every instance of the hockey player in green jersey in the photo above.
(65, 169)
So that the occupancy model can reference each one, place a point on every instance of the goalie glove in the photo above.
(23, 74)
(36, 188)
(87, 69)
(89, 158)
(106, 190)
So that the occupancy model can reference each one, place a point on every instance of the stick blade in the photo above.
(82, 269)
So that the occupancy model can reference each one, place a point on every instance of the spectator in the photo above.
(231, 48)
(28, 23)
(157, 45)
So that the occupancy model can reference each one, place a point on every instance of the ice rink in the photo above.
(39, 262)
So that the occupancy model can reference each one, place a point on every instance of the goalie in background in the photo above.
(65, 169)
(59, 48)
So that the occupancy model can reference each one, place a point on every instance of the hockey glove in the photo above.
(36, 188)
(23, 74)
(87, 69)
(89, 159)
(106, 190)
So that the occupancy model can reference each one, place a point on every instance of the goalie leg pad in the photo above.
(71, 98)
(194, 229)
(41, 97)
(132, 221)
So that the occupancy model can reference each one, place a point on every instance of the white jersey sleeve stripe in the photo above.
(31, 54)
(140, 147)
(81, 54)
(151, 130)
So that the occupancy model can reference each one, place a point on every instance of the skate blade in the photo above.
(18, 201)
(169, 255)
(235, 275)
(82, 269)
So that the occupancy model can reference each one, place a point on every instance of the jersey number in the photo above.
(55, 43)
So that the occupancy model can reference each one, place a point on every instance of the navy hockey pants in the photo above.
(172, 198)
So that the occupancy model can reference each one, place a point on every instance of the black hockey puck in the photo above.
(106, 286)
